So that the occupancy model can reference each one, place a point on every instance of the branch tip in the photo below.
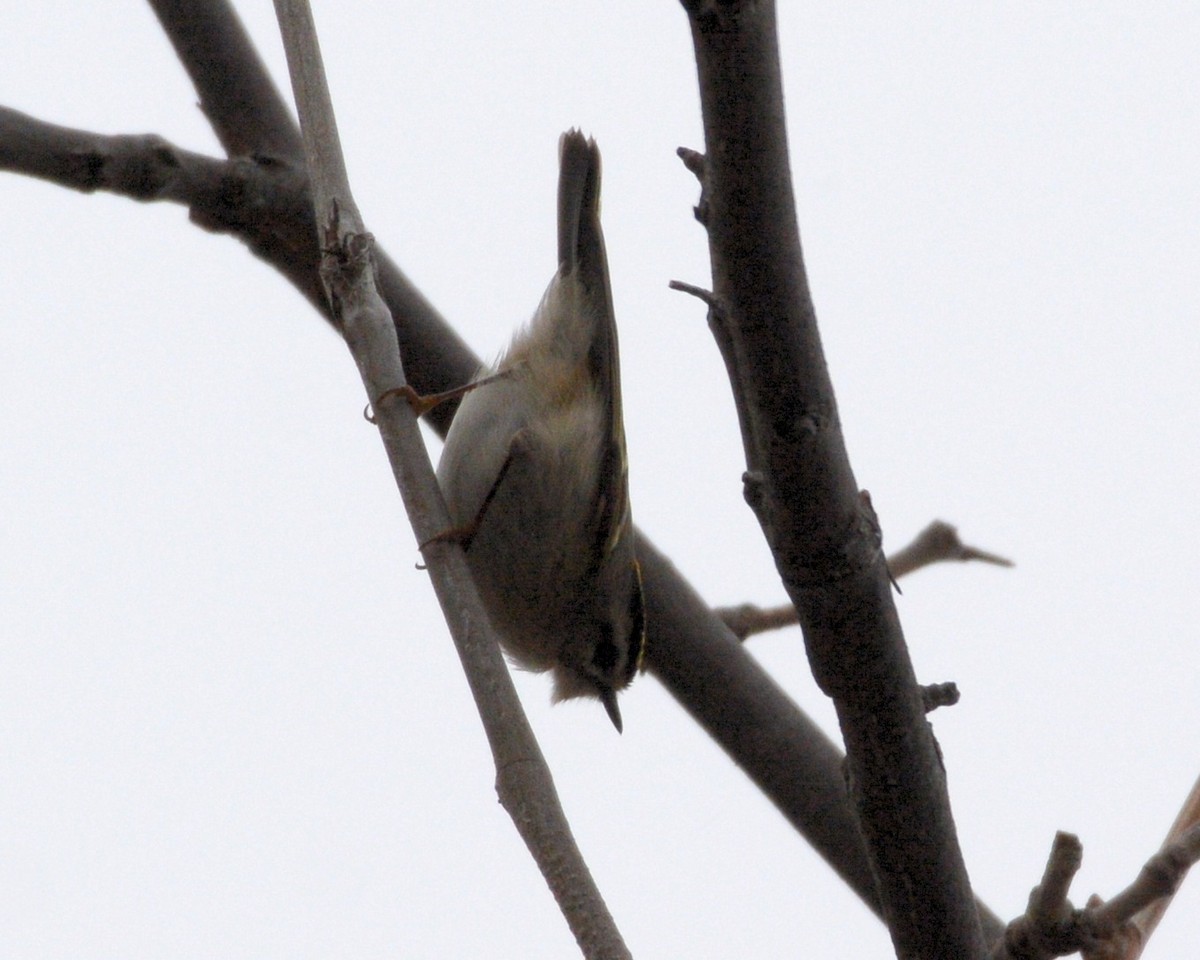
(693, 160)
(936, 543)
(707, 297)
(934, 695)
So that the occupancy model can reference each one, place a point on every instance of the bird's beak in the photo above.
(608, 697)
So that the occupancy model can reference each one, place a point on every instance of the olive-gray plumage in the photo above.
(534, 470)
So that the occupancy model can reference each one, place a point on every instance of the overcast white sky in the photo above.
(231, 721)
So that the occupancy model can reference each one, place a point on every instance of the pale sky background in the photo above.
(231, 720)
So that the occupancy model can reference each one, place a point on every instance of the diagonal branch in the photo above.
(821, 528)
(1183, 835)
(523, 780)
(249, 117)
(236, 92)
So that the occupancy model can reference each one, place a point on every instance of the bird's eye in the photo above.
(606, 654)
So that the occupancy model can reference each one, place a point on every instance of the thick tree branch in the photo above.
(236, 92)
(264, 202)
(249, 117)
(141, 167)
(821, 529)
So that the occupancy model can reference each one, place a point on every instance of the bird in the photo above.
(534, 471)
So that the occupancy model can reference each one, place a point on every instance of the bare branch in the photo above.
(1051, 927)
(1183, 831)
(141, 167)
(1159, 878)
(784, 752)
(261, 201)
(747, 619)
(237, 94)
(820, 527)
(523, 779)
(937, 542)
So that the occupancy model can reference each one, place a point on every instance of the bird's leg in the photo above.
(422, 403)
(465, 533)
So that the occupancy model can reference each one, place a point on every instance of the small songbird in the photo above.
(534, 471)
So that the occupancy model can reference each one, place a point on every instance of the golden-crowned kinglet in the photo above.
(534, 471)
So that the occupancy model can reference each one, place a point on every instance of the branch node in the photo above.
(934, 695)
(938, 542)
(693, 160)
(707, 297)
(753, 489)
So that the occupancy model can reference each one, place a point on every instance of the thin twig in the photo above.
(1103, 930)
(1147, 919)
(938, 542)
